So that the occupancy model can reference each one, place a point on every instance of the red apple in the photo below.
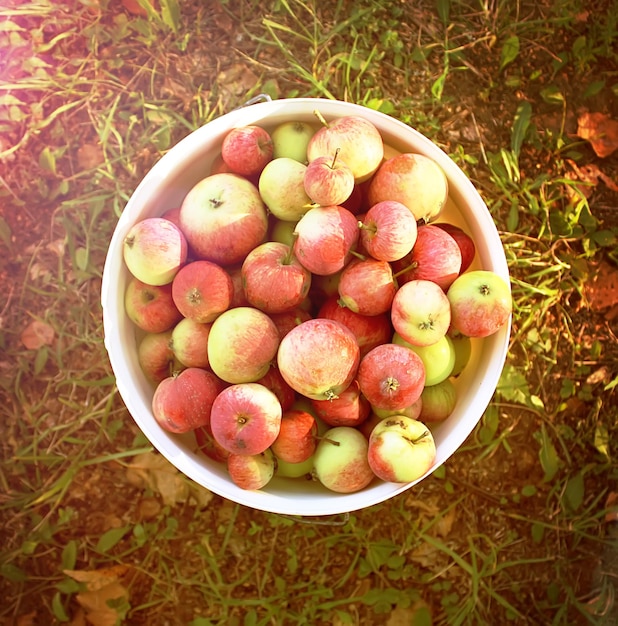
(351, 408)
(359, 141)
(190, 342)
(464, 241)
(273, 279)
(325, 237)
(388, 231)
(223, 218)
(366, 286)
(328, 180)
(242, 343)
(289, 319)
(208, 445)
(480, 302)
(415, 180)
(319, 358)
(154, 250)
(340, 460)
(296, 441)
(245, 418)
(276, 383)
(156, 357)
(253, 471)
(435, 256)
(238, 292)
(150, 307)
(391, 376)
(202, 290)
(173, 215)
(183, 402)
(370, 330)
(401, 450)
(421, 312)
(247, 149)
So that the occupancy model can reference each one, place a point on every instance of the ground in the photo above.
(518, 526)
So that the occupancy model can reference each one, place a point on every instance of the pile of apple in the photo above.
(304, 311)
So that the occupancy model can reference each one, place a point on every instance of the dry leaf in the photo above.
(105, 589)
(134, 7)
(600, 130)
(37, 334)
(589, 177)
(155, 471)
(90, 156)
(602, 291)
(38, 270)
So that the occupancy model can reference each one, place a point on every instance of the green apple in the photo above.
(282, 190)
(438, 358)
(290, 139)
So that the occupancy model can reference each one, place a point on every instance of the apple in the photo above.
(242, 343)
(289, 319)
(276, 383)
(208, 445)
(328, 180)
(190, 342)
(438, 358)
(173, 215)
(325, 237)
(252, 471)
(370, 330)
(273, 279)
(295, 470)
(245, 418)
(290, 139)
(480, 302)
(354, 203)
(340, 460)
(401, 450)
(439, 401)
(464, 241)
(462, 346)
(366, 286)
(319, 358)
(223, 218)
(359, 141)
(183, 401)
(413, 411)
(202, 290)
(415, 180)
(391, 376)
(282, 189)
(156, 357)
(421, 312)
(388, 231)
(247, 149)
(351, 408)
(238, 292)
(282, 231)
(435, 256)
(150, 307)
(296, 441)
(154, 249)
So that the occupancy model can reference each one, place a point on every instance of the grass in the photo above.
(511, 529)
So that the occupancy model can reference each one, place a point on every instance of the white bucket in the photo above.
(165, 186)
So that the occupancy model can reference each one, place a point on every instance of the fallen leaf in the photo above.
(105, 597)
(589, 177)
(37, 334)
(602, 291)
(600, 130)
(134, 7)
(155, 471)
(90, 156)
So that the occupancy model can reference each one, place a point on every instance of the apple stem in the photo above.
(335, 443)
(332, 165)
(129, 241)
(320, 118)
(370, 227)
(358, 255)
(413, 441)
(407, 268)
